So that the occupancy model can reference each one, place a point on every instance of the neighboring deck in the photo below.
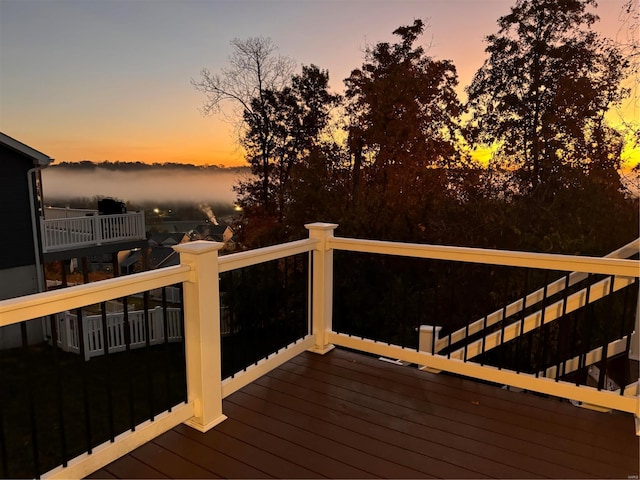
(346, 415)
(88, 233)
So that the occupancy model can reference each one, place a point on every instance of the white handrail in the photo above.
(239, 260)
(19, 309)
(544, 261)
(51, 213)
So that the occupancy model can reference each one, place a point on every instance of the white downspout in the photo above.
(34, 228)
(36, 244)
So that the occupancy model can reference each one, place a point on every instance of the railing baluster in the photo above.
(466, 338)
(562, 335)
(605, 334)
(109, 392)
(244, 328)
(27, 373)
(284, 302)
(542, 335)
(127, 341)
(167, 357)
(519, 338)
(59, 398)
(185, 397)
(588, 319)
(85, 387)
(147, 351)
(629, 333)
(503, 322)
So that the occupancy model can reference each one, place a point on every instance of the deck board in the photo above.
(347, 415)
(447, 440)
(545, 420)
(171, 464)
(128, 467)
(206, 457)
(266, 462)
(321, 436)
(490, 414)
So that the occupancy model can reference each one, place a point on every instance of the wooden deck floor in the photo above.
(346, 415)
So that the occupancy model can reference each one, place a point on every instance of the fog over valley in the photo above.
(154, 183)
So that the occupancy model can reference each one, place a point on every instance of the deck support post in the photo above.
(322, 285)
(428, 338)
(202, 333)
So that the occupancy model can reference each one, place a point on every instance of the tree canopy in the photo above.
(399, 169)
(542, 93)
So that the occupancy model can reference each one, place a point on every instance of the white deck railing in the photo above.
(199, 273)
(552, 312)
(76, 232)
(52, 213)
(68, 333)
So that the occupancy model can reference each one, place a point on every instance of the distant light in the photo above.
(156, 210)
(237, 208)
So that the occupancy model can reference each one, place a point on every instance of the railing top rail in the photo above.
(69, 209)
(19, 309)
(238, 260)
(51, 213)
(626, 251)
(545, 261)
(120, 215)
(91, 213)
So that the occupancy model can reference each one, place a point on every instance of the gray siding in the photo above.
(16, 248)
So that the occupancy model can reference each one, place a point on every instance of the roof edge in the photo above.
(39, 158)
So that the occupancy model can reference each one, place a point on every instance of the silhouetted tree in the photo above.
(403, 116)
(543, 92)
(297, 116)
(254, 70)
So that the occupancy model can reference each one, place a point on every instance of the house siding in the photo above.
(15, 210)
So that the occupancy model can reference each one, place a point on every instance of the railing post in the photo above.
(322, 285)
(428, 339)
(97, 229)
(202, 333)
(45, 236)
(634, 354)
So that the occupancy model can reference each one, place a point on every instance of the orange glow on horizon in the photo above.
(201, 149)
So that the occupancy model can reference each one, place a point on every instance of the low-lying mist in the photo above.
(154, 184)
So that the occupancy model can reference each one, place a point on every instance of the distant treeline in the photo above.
(140, 166)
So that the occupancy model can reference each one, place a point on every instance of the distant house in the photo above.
(214, 233)
(167, 239)
(160, 253)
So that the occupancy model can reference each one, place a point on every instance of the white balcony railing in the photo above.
(91, 230)
(199, 272)
(115, 339)
(52, 213)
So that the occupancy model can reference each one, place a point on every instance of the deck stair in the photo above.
(512, 321)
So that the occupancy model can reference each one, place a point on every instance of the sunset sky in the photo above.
(110, 79)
